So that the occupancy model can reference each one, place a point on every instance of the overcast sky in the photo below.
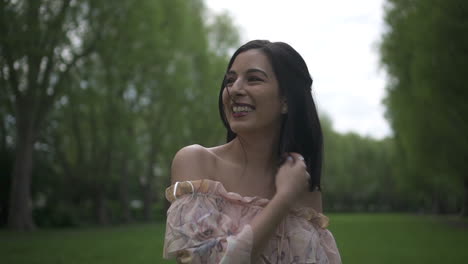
(338, 40)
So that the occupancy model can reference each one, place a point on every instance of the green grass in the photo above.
(361, 238)
(113, 245)
(398, 238)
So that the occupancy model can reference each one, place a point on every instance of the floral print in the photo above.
(207, 224)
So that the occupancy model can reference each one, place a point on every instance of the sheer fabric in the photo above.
(207, 224)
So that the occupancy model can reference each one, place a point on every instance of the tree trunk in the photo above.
(123, 193)
(100, 207)
(20, 210)
(3, 136)
(464, 209)
(437, 206)
(147, 199)
(148, 185)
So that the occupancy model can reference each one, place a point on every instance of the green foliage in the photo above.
(358, 172)
(136, 75)
(425, 52)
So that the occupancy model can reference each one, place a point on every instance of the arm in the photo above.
(197, 231)
(291, 182)
(193, 163)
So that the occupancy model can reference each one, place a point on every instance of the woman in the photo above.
(255, 199)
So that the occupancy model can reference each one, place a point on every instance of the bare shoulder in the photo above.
(190, 163)
(312, 199)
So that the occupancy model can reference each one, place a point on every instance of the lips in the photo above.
(241, 109)
(239, 114)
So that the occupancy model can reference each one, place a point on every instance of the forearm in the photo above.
(266, 222)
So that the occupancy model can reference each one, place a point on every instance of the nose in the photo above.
(237, 89)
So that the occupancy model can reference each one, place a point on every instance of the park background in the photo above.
(96, 98)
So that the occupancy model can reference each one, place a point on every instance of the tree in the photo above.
(41, 42)
(122, 110)
(425, 52)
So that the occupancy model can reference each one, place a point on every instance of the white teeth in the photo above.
(241, 109)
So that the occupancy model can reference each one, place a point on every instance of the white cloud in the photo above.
(337, 39)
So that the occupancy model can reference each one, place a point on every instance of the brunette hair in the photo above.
(300, 128)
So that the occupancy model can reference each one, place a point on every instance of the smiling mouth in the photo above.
(240, 110)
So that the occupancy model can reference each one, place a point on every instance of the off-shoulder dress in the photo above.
(207, 224)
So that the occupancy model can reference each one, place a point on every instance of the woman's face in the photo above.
(251, 98)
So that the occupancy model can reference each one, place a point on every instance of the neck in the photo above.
(257, 152)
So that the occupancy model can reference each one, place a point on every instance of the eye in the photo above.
(254, 79)
(229, 81)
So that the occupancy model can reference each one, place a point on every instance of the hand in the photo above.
(292, 179)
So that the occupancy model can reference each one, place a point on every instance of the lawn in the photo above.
(397, 238)
(362, 238)
(133, 244)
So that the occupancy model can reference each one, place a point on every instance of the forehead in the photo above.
(251, 59)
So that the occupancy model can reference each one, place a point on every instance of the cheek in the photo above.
(225, 95)
(225, 99)
(274, 107)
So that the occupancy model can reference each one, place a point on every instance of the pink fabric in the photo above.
(207, 224)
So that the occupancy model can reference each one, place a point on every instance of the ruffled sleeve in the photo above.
(325, 249)
(327, 241)
(199, 231)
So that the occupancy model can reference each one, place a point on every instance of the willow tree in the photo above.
(41, 42)
(36, 55)
(425, 52)
(124, 108)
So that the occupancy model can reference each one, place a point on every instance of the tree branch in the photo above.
(47, 101)
(32, 53)
(5, 98)
(42, 105)
(55, 25)
(6, 51)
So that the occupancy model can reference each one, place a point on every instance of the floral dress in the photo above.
(207, 224)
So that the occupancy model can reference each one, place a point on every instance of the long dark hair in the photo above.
(300, 128)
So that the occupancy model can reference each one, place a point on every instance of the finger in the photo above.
(298, 157)
(309, 178)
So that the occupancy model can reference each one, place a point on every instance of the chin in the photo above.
(241, 128)
(244, 127)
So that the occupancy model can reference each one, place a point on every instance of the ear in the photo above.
(284, 106)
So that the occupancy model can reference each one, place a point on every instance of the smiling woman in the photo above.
(251, 82)
(257, 198)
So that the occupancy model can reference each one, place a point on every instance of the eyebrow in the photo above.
(252, 70)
